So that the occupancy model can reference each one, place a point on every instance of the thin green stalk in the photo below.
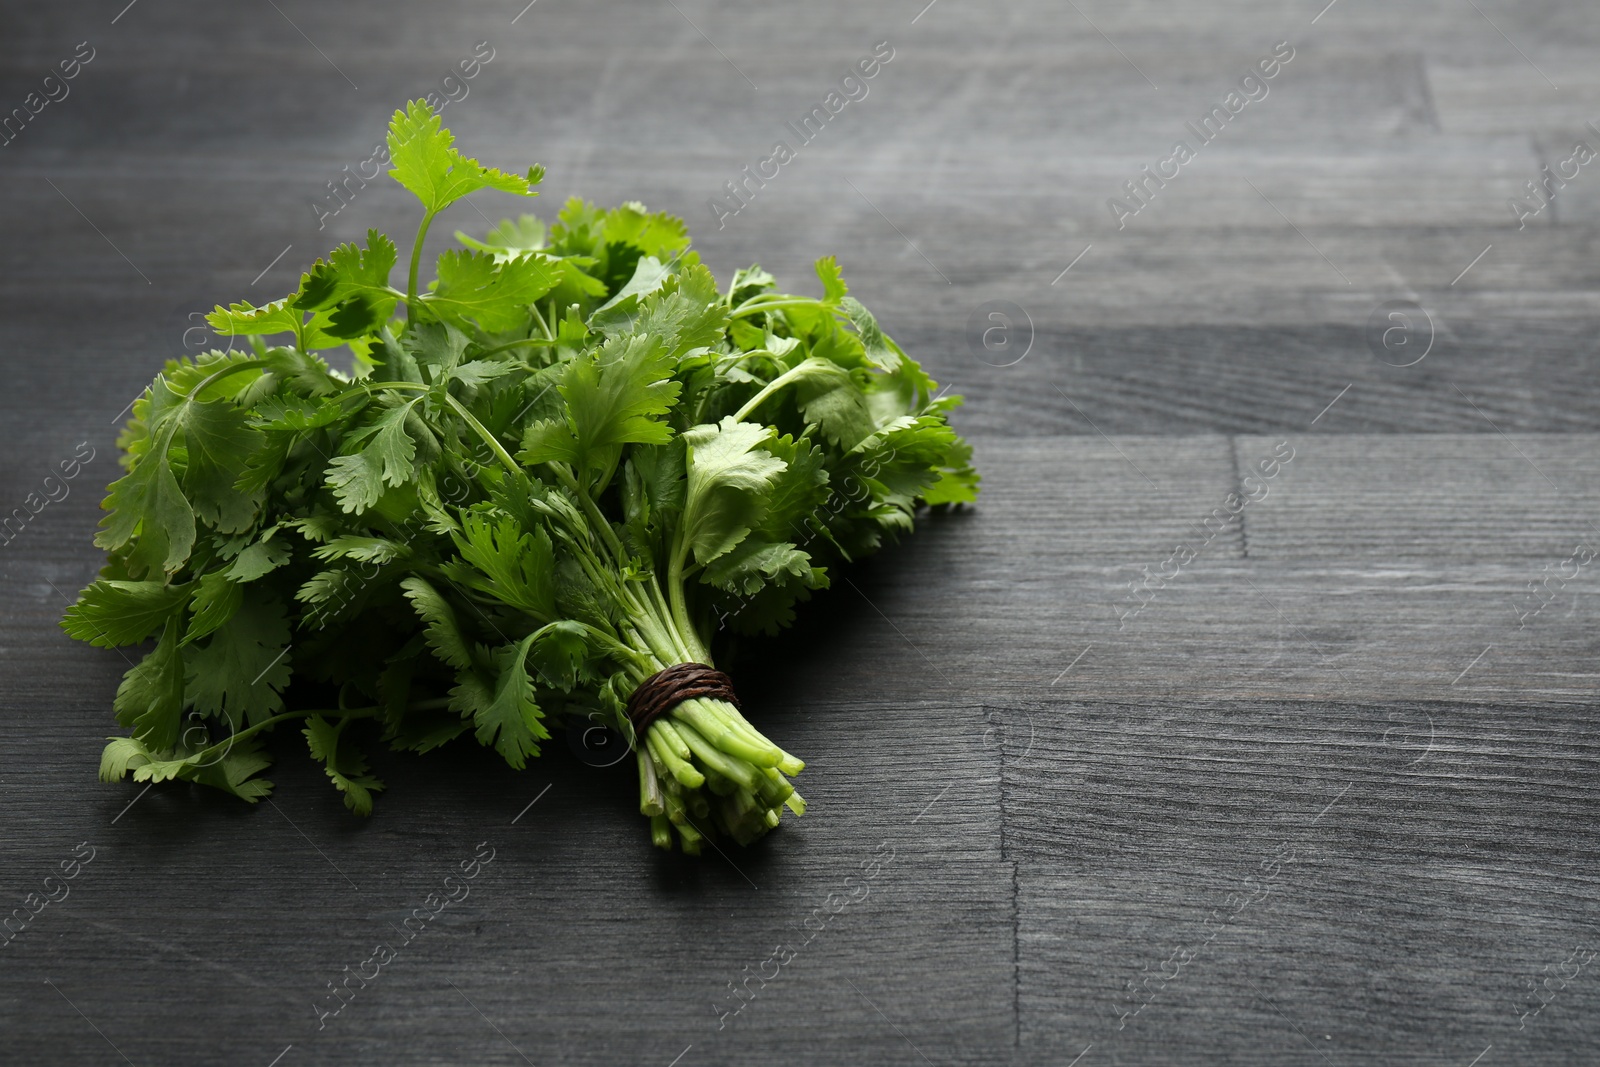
(771, 387)
(672, 738)
(660, 603)
(483, 431)
(232, 739)
(249, 364)
(680, 769)
(680, 608)
(661, 655)
(730, 767)
(535, 342)
(416, 260)
(373, 386)
(699, 719)
(650, 800)
(534, 307)
(565, 474)
(749, 307)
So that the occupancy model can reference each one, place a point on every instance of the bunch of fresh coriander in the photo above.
(571, 464)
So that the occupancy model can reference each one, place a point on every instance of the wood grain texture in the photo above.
(1069, 798)
(1288, 883)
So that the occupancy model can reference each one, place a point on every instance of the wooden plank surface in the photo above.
(1349, 669)
(1302, 883)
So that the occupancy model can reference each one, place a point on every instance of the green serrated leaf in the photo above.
(505, 713)
(150, 699)
(113, 613)
(238, 674)
(473, 287)
(216, 599)
(515, 567)
(833, 286)
(614, 397)
(509, 239)
(426, 162)
(729, 477)
(346, 769)
(385, 459)
(443, 632)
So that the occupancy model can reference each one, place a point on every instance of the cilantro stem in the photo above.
(416, 259)
(534, 307)
(350, 713)
(483, 432)
(680, 609)
(607, 534)
(534, 342)
(371, 386)
(249, 364)
(771, 387)
(751, 307)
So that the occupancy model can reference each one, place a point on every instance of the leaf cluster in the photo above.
(567, 462)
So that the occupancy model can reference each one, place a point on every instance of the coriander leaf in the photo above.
(509, 239)
(150, 699)
(729, 476)
(149, 503)
(478, 371)
(958, 482)
(238, 674)
(216, 598)
(654, 234)
(347, 770)
(514, 567)
(121, 755)
(752, 281)
(232, 771)
(219, 441)
(559, 652)
(246, 319)
(612, 399)
(686, 312)
(353, 285)
(472, 286)
(443, 632)
(362, 548)
(798, 491)
(235, 772)
(306, 375)
(261, 558)
(880, 350)
(617, 313)
(748, 567)
(426, 162)
(439, 346)
(833, 286)
(505, 713)
(829, 397)
(112, 613)
(358, 479)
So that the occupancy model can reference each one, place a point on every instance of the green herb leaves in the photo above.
(508, 496)
(613, 398)
(426, 161)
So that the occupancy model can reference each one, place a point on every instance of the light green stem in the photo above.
(771, 387)
(754, 307)
(416, 260)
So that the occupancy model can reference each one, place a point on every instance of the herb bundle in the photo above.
(568, 465)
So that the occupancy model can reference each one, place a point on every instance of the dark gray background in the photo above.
(1323, 800)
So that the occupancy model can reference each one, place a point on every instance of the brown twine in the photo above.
(666, 689)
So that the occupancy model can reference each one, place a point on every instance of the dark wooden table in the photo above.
(1327, 796)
